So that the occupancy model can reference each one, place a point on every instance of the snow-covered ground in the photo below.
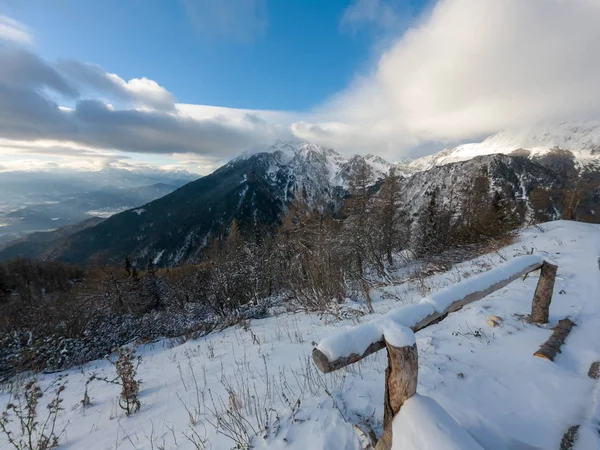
(259, 380)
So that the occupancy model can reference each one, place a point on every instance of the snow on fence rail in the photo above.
(395, 330)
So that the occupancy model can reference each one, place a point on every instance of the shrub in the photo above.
(35, 432)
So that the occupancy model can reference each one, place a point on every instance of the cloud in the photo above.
(470, 68)
(466, 69)
(137, 91)
(22, 69)
(13, 31)
(47, 154)
(242, 20)
(28, 115)
(149, 121)
(52, 155)
(54, 148)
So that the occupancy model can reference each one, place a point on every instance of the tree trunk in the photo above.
(400, 384)
(551, 347)
(540, 309)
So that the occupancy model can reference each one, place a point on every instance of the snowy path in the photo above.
(486, 378)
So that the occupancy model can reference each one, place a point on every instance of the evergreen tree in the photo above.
(428, 238)
(504, 219)
(151, 286)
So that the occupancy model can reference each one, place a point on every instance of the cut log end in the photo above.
(542, 355)
(594, 371)
(321, 361)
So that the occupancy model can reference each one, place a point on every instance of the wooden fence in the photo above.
(401, 375)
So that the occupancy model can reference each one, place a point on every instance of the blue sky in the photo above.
(298, 55)
(189, 84)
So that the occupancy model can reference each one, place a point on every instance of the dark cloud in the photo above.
(159, 132)
(22, 69)
(28, 113)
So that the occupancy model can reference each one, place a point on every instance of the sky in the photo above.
(189, 84)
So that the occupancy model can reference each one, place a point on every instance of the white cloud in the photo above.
(470, 68)
(139, 92)
(13, 31)
(148, 92)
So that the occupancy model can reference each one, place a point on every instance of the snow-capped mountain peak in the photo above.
(311, 164)
(581, 139)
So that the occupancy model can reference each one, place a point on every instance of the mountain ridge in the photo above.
(580, 139)
(256, 188)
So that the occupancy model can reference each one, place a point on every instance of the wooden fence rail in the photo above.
(350, 346)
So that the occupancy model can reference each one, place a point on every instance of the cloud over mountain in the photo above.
(472, 67)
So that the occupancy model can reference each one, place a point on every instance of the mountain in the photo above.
(254, 189)
(578, 143)
(43, 201)
(35, 245)
(20, 187)
(545, 175)
(515, 176)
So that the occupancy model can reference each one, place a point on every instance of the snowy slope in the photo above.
(582, 139)
(485, 378)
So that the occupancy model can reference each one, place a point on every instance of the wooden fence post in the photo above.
(540, 308)
(400, 384)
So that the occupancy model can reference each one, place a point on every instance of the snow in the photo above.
(312, 167)
(422, 424)
(358, 339)
(397, 335)
(158, 256)
(580, 138)
(445, 297)
(485, 378)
